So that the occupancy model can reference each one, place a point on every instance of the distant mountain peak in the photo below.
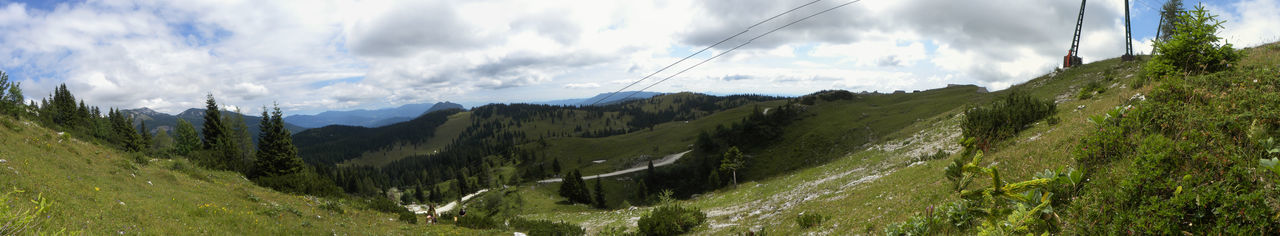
(604, 98)
(370, 118)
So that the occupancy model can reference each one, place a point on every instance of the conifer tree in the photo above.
(276, 154)
(555, 165)
(162, 143)
(240, 142)
(213, 128)
(599, 200)
(436, 197)
(642, 192)
(418, 195)
(10, 96)
(64, 106)
(188, 140)
(1169, 12)
(144, 137)
(568, 187)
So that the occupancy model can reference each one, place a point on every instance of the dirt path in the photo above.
(667, 160)
(422, 209)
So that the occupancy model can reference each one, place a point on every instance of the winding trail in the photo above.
(422, 209)
(667, 160)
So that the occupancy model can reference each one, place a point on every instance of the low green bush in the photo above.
(476, 221)
(1090, 89)
(1184, 161)
(670, 220)
(1005, 117)
(809, 220)
(546, 227)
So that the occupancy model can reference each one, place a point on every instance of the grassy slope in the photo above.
(97, 190)
(445, 133)
(867, 190)
(627, 150)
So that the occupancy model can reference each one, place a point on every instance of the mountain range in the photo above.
(609, 98)
(158, 122)
(369, 118)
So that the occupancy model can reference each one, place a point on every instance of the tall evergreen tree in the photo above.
(125, 135)
(10, 96)
(569, 187)
(418, 195)
(162, 143)
(213, 128)
(276, 154)
(144, 137)
(1169, 12)
(642, 192)
(599, 200)
(555, 165)
(188, 140)
(239, 142)
(64, 106)
(436, 197)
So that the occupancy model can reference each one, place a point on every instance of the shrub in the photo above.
(1184, 161)
(809, 220)
(304, 182)
(546, 227)
(408, 217)
(1093, 87)
(1192, 47)
(1005, 117)
(938, 154)
(384, 205)
(475, 221)
(670, 220)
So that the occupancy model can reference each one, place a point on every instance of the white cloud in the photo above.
(339, 54)
(582, 85)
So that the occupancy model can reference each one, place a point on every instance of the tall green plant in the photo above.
(1193, 46)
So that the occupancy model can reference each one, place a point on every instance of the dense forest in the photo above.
(493, 139)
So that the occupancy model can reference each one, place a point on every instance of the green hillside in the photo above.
(92, 190)
(895, 184)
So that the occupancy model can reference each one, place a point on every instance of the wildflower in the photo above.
(96, 189)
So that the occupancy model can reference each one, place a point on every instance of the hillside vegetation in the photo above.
(1151, 180)
(90, 189)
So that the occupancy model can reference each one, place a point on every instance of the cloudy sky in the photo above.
(311, 56)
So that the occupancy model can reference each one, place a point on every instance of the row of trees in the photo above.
(10, 96)
(574, 189)
(224, 145)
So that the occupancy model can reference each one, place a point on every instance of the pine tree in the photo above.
(417, 194)
(162, 143)
(10, 96)
(213, 129)
(188, 140)
(64, 106)
(276, 154)
(1169, 12)
(568, 187)
(240, 142)
(436, 197)
(484, 178)
(650, 174)
(555, 165)
(463, 188)
(144, 137)
(642, 192)
(599, 200)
